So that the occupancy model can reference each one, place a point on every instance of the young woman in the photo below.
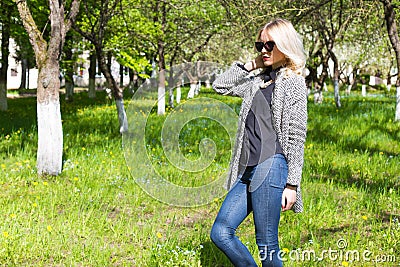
(265, 170)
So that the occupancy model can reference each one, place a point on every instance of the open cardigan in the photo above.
(289, 112)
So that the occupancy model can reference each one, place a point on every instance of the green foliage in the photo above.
(137, 63)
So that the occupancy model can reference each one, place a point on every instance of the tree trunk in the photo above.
(390, 17)
(335, 78)
(5, 17)
(132, 81)
(397, 116)
(92, 75)
(121, 76)
(117, 92)
(24, 68)
(161, 59)
(50, 134)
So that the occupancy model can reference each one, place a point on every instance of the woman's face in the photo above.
(275, 58)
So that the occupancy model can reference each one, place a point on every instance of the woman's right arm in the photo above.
(236, 81)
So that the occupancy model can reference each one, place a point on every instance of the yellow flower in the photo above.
(159, 235)
(286, 250)
(364, 218)
(45, 183)
(83, 148)
(76, 178)
(3, 166)
(12, 215)
(49, 228)
(345, 263)
(35, 204)
(35, 183)
(5, 234)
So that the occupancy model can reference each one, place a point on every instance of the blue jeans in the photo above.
(264, 202)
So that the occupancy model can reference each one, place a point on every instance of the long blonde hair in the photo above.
(288, 41)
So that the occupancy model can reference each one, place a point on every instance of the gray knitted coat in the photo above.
(289, 109)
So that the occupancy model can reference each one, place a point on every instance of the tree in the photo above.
(172, 32)
(391, 25)
(6, 10)
(47, 54)
(94, 26)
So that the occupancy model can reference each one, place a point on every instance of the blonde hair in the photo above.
(288, 41)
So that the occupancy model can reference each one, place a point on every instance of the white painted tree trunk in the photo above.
(397, 117)
(349, 89)
(318, 97)
(364, 90)
(178, 94)
(161, 101)
(192, 90)
(198, 87)
(208, 84)
(123, 120)
(50, 138)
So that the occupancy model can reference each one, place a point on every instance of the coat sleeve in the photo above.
(234, 82)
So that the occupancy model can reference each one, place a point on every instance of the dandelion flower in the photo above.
(49, 228)
(45, 183)
(345, 263)
(76, 178)
(159, 235)
(364, 218)
(5, 234)
(12, 215)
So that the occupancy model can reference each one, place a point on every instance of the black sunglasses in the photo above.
(269, 46)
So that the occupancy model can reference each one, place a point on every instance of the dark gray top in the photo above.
(260, 139)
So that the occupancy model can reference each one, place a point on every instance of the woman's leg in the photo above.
(266, 203)
(234, 210)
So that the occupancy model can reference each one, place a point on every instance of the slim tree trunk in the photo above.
(390, 18)
(117, 92)
(121, 76)
(24, 68)
(92, 75)
(5, 17)
(335, 78)
(161, 10)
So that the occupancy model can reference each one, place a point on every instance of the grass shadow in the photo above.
(211, 256)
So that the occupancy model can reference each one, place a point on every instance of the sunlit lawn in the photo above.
(94, 214)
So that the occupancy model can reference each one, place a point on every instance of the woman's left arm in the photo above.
(296, 114)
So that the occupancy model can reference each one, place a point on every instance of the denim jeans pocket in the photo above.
(278, 175)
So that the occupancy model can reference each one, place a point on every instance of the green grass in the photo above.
(94, 213)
